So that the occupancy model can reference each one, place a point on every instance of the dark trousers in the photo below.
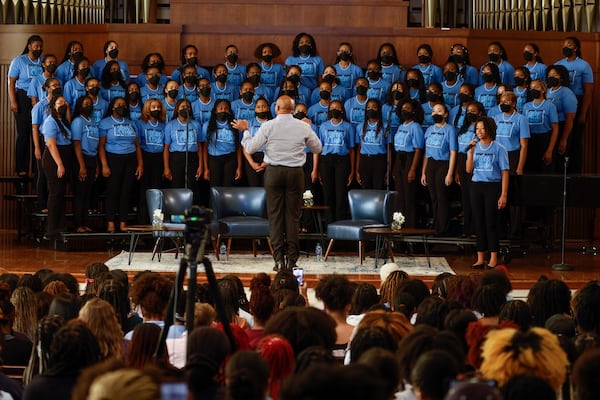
(82, 190)
(516, 212)
(334, 170)
(254, 178)
(465, 193)
(407, 190)
(373, 171)
(436, 174)
(23, 124)
(57, 188)
(538, 143)
(41, 183)
(284, 187)
(119, 184)
(484, 197)
(575, 142)
(222, 169)
(152, 179)
(177, 165)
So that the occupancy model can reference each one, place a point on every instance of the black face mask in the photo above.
(464, 97)
(247, 96)
(329, 78)
(232, 58)
(120, 111)
(300, 115)
(113, 53)
(267, 58)
(192, 60)
(222, 116)
(361, 90)
(397, 95)
(433, 97)
(262, 114)
(535, 93)
(294, 78)
(305, 49)
(325, 95)
(374, 75)
(77, 56)
(371, 114)
(437, 118)
(494, 57)
(36, 53)
(505, 108)
(457, 58)
(133, 96)
(56, 92)
(552, 81)
(449, 76)
(423, 59)
(412, 83)
(254, 79)
(62, 110)
(406, 115)
(386, 59)
(471, 117)
(184, 113)
(191, 80)
(115, 76)
(205, 91)
(519, 81)
(528, 56)
(154, 79)
(488, 78)
(173, 94)
(291, 93)
(85, 72)
(567, 51)
(94, 91)
(345, 56)
(155, 113)
(50, 68)
(335, 113)
(221, 78)
(87, 110)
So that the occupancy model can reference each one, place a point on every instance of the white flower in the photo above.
(158, 215)
(398, 217)
(307, 195)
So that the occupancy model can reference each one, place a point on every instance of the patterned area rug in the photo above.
(246, 263)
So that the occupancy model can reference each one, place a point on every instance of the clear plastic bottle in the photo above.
(319, 252)
(223, 250)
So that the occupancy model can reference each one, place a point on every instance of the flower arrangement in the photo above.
(307, 197)
(397, 221)
(157, 218)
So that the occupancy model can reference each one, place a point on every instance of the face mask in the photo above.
(56, 92)
(489, 78)
(190, 80)
(423, 59)
(374, 75)
(154, 79)
(77, 56)
(113, 53)
(535, 93)
(87, 110)
(471, 117)
(115, 76)
(291, 93)
(84, 72)
(413, 83)
(267, 58)
(493, 57)
(371, 114)
(325, 95)
(553, 81)
(248, 96)
(567, 51)
(255, 79)
(344, 55)
(94, 91)
(222, 116)
(37, 53)
(173, 93)
(449, 76)
(155, 113)
(192, 60)
(205, 91)
(300, 115)
(184, 113)
(120, 111)
(386, 59)
(329, 78)
(432, 97)
(457, 58)
(437, 118)
(528, 56)
(62, 110)
(505, 108)
(232, 58)
(262, 114)
(336, 114)
(519, 81)
(133, 96)
(305, 49)
(361, 90)
(464, 97)
(406, 115)
(221, 78)
(50, 68)
(397, 95)
(294, 78)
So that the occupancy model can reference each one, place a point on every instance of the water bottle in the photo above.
(223, 250)
(319, 252)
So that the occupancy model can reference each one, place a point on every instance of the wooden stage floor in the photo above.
(524, 269)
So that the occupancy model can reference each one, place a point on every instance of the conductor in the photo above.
(284, 139)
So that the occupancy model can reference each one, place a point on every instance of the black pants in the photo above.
(82, 190)
(284, 187)
(538, 143)
(465, 193)
(484, 197)
(334, 170)
(23, 124)
(222, 169)
(41, 183)
(436, 175)
(56, 189)
(407, 190)
(254, 178)
(119, 184)
(152, 179)
(373, 171)
(516, 212)
(575, 142)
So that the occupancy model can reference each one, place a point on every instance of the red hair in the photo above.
(280, 356)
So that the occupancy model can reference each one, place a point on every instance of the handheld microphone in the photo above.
(469, 147)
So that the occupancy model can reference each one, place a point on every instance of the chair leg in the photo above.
(360, 251)
(329, 246)
(216, 245)
(270, 245)
(390, 251)
(154, 250)
(228, 246)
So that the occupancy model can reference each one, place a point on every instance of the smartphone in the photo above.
(173, 391)
(299, 274)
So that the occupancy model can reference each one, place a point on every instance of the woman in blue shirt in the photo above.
(522, 79)
(121, 159)
(74, 87)
(272, 73)
(460, 55)
(86, 136)
(497, 55)
(486, 93)
(431, 72)
(565, 101)
(438, 164)
(66, 69)
(347, 71)
(56, 162)
(387, 57)
(253, 164)
(304, 55)
(408, 142)
(372, 153)
(396, 95)
(533, 61)
(112, 83)
(487, 160)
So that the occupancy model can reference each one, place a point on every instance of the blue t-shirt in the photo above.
(115, 90)
(469, 74)
(253, 125)
(99, 65)
(202, 110)
(263, 91)
(487, 96)
(39, 112)
(151, 136)
(65, 71)
(355, 110)
(227, 92)
(338, 93)
(580, 72)
(235, 75)
(100, 108)
(440, 141)
(224, 140)
(36, 87)
(450, 93)
(537, 71)
(73, 90)
(271, 75)
(312, 67)
(135, 111)
(378, 89)
(178, 141)
(337, 138)
(428, 118)
(374, 141)
(202, 73)
(409, 137)
(511, 129)
(318, 114)
(147, 93)
(489, 162)
(457, 116)
(392, 73)
(564, 99)
(141, 80)
(88, 133)
(189, 93)
(120, 135)
(392, 121)
(243, 110)
(507, 72)
(521, 97)
(52, 130)
(431, 73)
(465, 138)
(24, 69)
(303, 95)
(348, 76)
(540, 116)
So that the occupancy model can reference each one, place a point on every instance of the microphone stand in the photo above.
(563, 266)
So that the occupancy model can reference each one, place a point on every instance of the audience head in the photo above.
(473, 390)
(151, 292)
(586, 310)
(335, 291)
(548, 297)
(395, 323)
(246, 376)
(385, 365)
(518, 312)
(143, 344)
(124, 384)
(66, 305)
(73, 348)
(433, 373)
(527, 387)
(311, 356)
(101, 319)
(369, 337)
(364, 297)
(279, 355)
(207, 349)
(585, 375)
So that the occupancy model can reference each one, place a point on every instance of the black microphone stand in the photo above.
(563, 266)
